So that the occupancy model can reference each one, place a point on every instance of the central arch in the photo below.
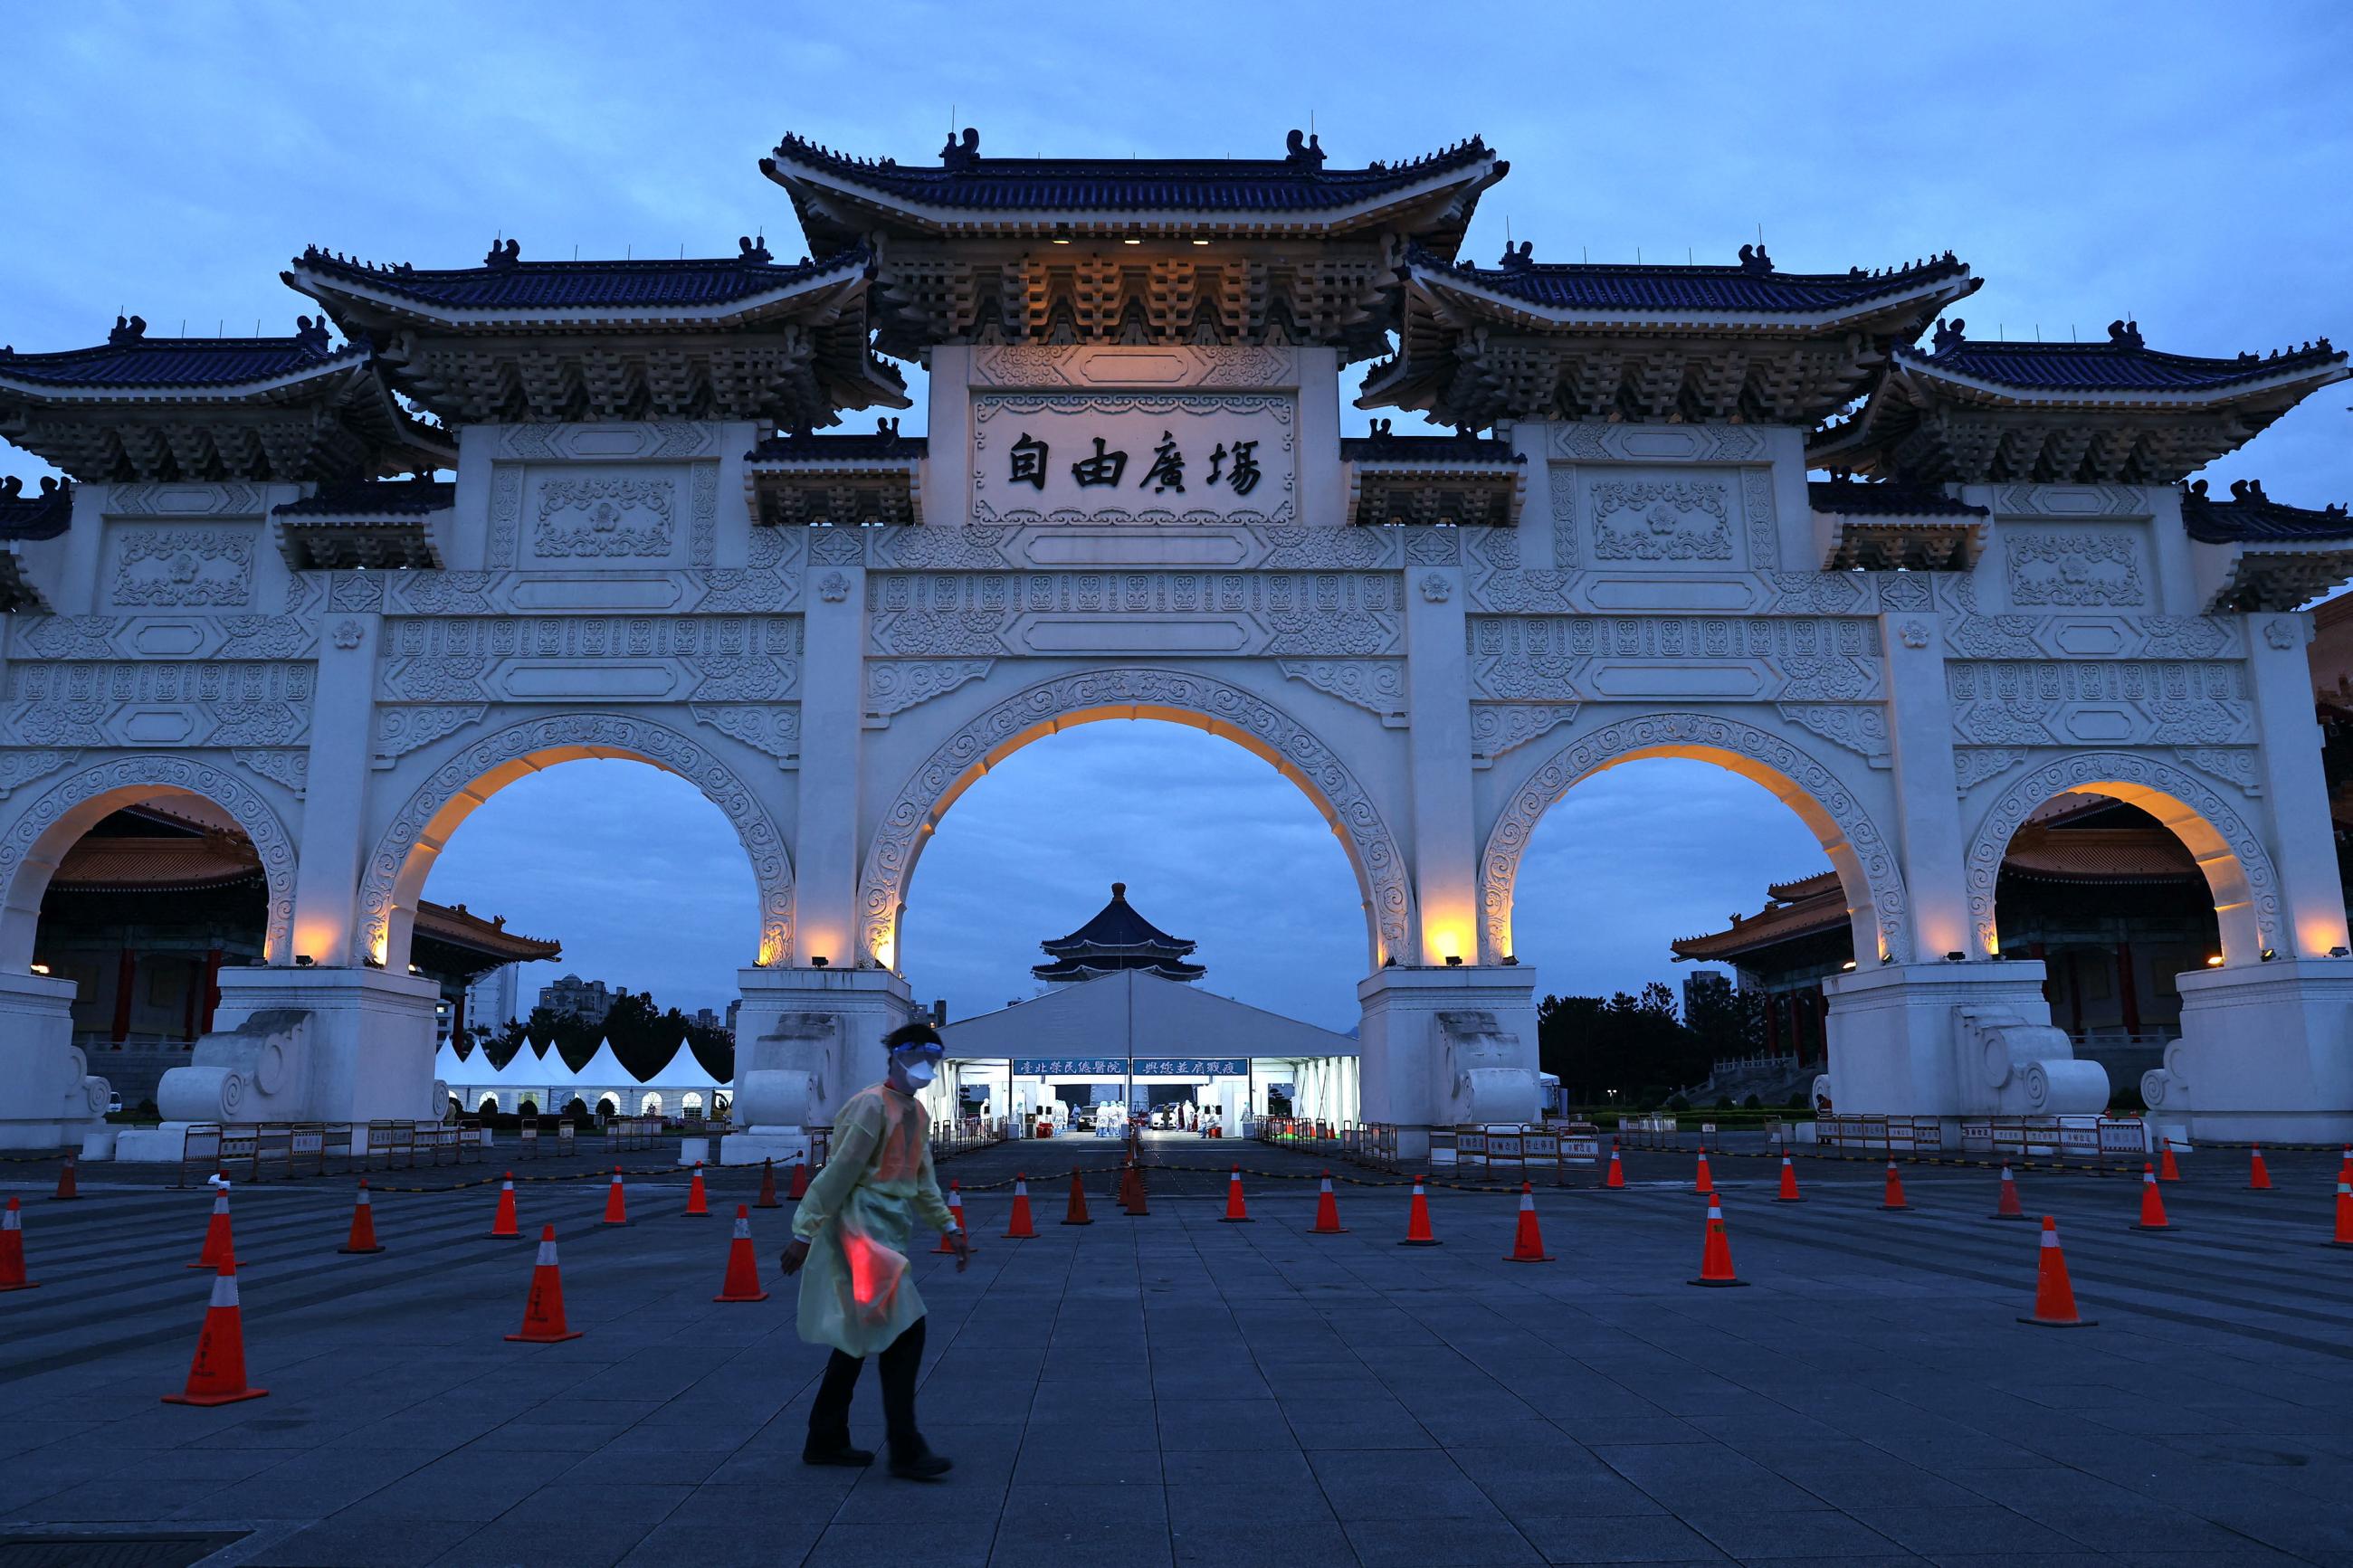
(404, 856)
(1862, 855)
(1178, 697)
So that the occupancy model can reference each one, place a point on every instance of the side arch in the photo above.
(50, 826)
(1863, 856)
(2238, 868)
(397, 869)
(1180, 696)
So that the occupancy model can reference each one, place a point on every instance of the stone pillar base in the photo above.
(2265, 1054)
(807, 1039)
(781, 1144)
(1952, 1040)
(311, 1045)
(47, 1098)
(1445, 1047)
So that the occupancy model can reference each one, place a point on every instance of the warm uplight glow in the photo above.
(1848, 965)
(1132, 242)
(2214, 961)
(40, 968)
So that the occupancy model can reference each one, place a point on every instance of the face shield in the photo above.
(917, 1063)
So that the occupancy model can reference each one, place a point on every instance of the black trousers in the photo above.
(829, 1417)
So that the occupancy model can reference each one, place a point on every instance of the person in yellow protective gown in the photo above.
(854, 1233)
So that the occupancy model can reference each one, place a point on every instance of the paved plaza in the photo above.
(1171, 1390)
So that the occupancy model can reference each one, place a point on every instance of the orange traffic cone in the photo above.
(1327, 1212)
(2166, 1171)
(743, 1281)
(503, 1224)
(1077, 1212)
(1417, 1219)
(1139, 1205)
(66, 1188)
(1716, 1253)
(542, 1310)
(2259, 1176)
(697, 1203)
(2006, 1206)
(616, 1205)
(2054, 1297)
(12, 1250)
(218, 1374)
(800, 1181)
(1527, 1242)
(1019, 1228)
(1706, 1184)
(2152, 1202)
(1788, 1193)
(2345, 1166)
(1237, 1211)
(1615, 1181)
(1127, 1199)
(2344, 1237)
(363, 1237)
(767, 1198)
(218, 1243)
(1893, 1200)
(955, 1208)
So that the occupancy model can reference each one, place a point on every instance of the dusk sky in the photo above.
(2182, 165)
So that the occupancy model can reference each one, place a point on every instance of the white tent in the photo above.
(684, 1070)
(602, 1075)
(451, 1070)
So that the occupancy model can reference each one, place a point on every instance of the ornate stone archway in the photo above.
(2238, 868)
(393, 880)
(1240, 716)
(1862, 854)
(46, 828)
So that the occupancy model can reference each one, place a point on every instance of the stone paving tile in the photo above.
(349, 1540)
(1617, 1539)
(546, 1542)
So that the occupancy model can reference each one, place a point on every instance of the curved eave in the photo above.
(339, 293)
(1925, 380)
(325, 378)
(1442, 191)
(1469, 297)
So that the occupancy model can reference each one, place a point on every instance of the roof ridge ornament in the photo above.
(1521, 256)
(1754, 260)
(506, 255)
(127, 330)
(2246, 490)
(964, 154)
(1302, 152)
(2126, 335)
(311, 333)
(754, 248)
(1948, 334)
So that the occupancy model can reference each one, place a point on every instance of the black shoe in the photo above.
(922, 1465)
(835, 1451)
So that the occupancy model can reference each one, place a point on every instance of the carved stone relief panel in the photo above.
(181, 565)
(1594, 440)
(2082, 568)
(401, 729)
(159, 703)
(1123, 368)
(1498, 727)
(772, 727)
(2069, 703)
(1645, 657)
(615, 442)
(1352, 615)
(1860, 728)
(1656, 515)
(1375, 685)
(895, 685)
(611, 515)
(603, 658)
(1563, 515)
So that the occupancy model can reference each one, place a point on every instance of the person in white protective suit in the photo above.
(852, 1237)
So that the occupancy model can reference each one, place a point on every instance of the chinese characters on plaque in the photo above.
(1075, 458)
(1236, 466)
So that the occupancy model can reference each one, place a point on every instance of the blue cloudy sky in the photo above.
(2183, 163)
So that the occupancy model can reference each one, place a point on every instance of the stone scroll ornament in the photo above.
(2089, 769)
(648, 741)
(164, 773)
(1243, 716)
(1875, 855)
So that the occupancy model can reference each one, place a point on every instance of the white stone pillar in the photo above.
(334, 802)
(2312, 894)
(1446, 1047)
(826, 923)
(1438, 743)
(47, 1098)
(1928, 814)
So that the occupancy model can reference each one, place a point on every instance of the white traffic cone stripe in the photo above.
(223, 1290)
(12, 1220)
(220, 1204)
(742, 1229)
(2050, 1237)
(547, 1255)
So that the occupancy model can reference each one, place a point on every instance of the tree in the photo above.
(1728, 1023)
(1623, 1043)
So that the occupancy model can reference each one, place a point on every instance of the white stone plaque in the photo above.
(1079, 457)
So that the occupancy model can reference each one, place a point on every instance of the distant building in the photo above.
(704, 1018)
(1117, 939)
(733, 1009)
(588, 1000)
(491, 999)
(1708, 986)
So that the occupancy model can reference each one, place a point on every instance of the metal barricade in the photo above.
(528, 1133)
(566, 1136)
(236, 1144)
(307, 1155)
(390, 1141)
(335, 1141)
(200, 1150)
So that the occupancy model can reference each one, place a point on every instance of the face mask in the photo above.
(920, 1072)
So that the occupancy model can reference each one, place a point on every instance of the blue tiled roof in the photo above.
(2251, 517)
(1746, 288)
(43, 515)
(508, 282)
(132, 359)
(1891, 499)
(2124, 363)
(380, 498)
(1117, 929)
(1299, 184)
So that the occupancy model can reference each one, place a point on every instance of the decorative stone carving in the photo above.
(1332, 613)
(1432, 546)
(1861, 729)
(2282, 632)
(1205, 365)
(174, 500)
(1237, 714)
(1822, 593)
(258, 1070)
(702, 539)
(1593, 440)
(18, 769)
(1667, 519)
(895, 685)
(1903, 590)
(184, 567)
(2185, 636)
(1436, 588)
(609, 734)
(1865, 857)
(715, 656)
(362, 590)
(611, 440)
(154, 773)
(1330, 549)
(506, 509)
(838, 546)
(1764, 518)
(264, 636)
(1994, 636)
(442, 592)
(1563, 476)
(68, 637)
(400, 731)
(348, 634)
(1377, 686)
(286, 768)
(2077, 568)
(1499, 727)
(1972, 766)
(753, 592)
(2248, 861)
(2070, 501)
(159, 703)
(605, 515)
(2082, 701)
(773, 728)
(1914, 633)
(1642, 657)
(833, 588)
(937, 548)
(2235, 766)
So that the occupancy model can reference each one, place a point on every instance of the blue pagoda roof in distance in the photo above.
(2124, 363)
(504, 281)
(1752, 286)
(1118, 938)
(2251, 517)
(131, 359)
